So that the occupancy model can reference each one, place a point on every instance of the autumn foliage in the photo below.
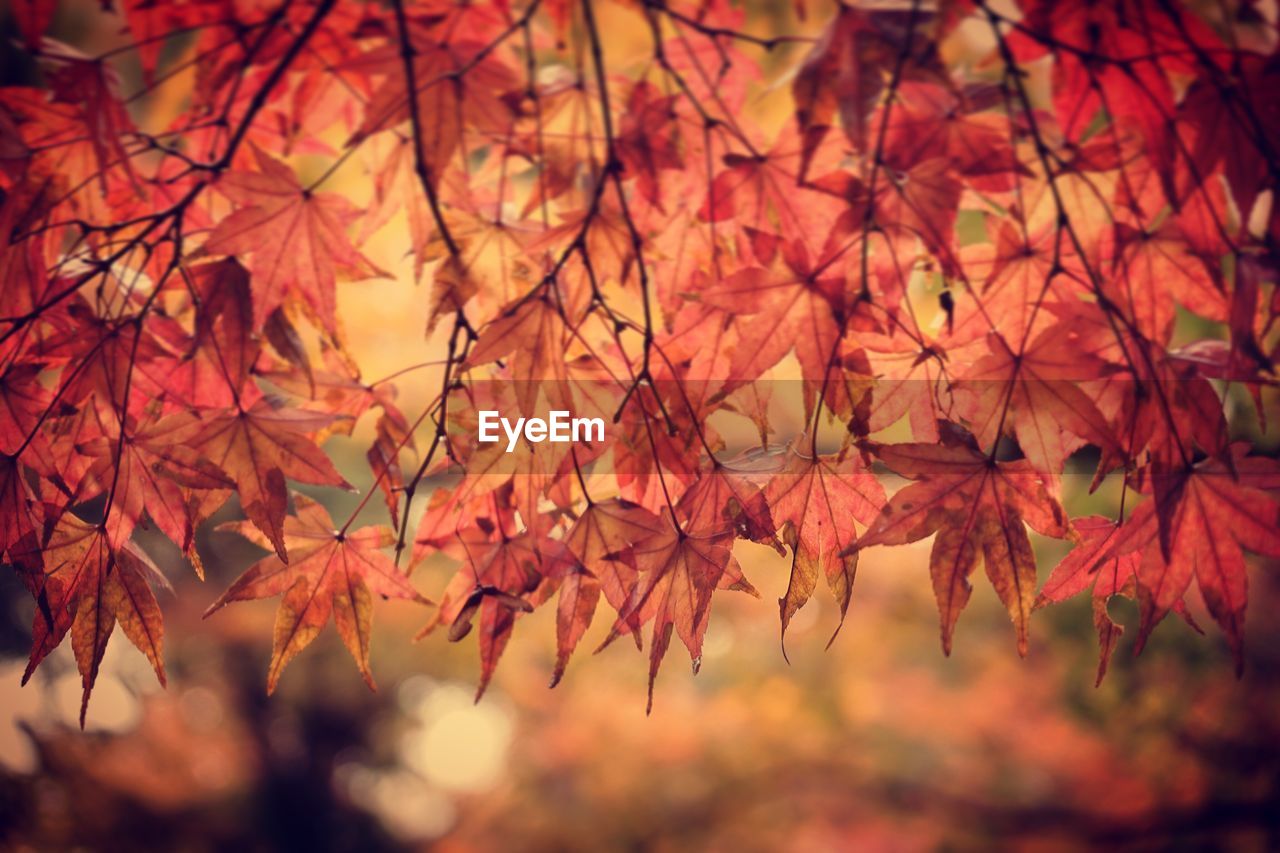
(1001, 252)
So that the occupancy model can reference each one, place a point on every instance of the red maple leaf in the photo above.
(331, 573)
(84, 586)
(978, 508)
(678, 574)
(1097, 564)
(258, 448)
(1197, 525)
(816, 499)
(295, 239)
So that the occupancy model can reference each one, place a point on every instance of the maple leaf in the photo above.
(54, 458)
(1033, 394)
(24, 286)
(60, 146)
(395, 189)
(724, 500)
(453, 286)
(533, 332)
(1154, 266)
(844, 71)
(16, 503)
(927, 121)
(223, 342)
(607, 532)
(107, 354)
(639, 463)
(575, 608)
(458, 85)
(678, 574)
(92, 86)
(603, 540)
(1197, 526)
(919, 203)
(498, 575)
(336, 388)
(1234, 124)
(816, 499)
(1115, 58)
(147, 472)
(392, 434)
(23, 402)
(645, 143)
(149, 22)
(977, 506)
(332, 573)
(762, 191)
(295, 239)
(910, 381)
(1094, 565)
(1012, 277)
(452, 516)
(258, 448)
(798, 308)
(84, 586)
(1102, 564)
(1166, 407)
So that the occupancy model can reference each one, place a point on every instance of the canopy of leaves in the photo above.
(991, 281)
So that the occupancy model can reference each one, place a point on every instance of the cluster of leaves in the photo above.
(978, 228)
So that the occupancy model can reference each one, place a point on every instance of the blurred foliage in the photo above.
(880, 742)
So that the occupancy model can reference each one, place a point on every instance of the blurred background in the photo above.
(879, 742)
